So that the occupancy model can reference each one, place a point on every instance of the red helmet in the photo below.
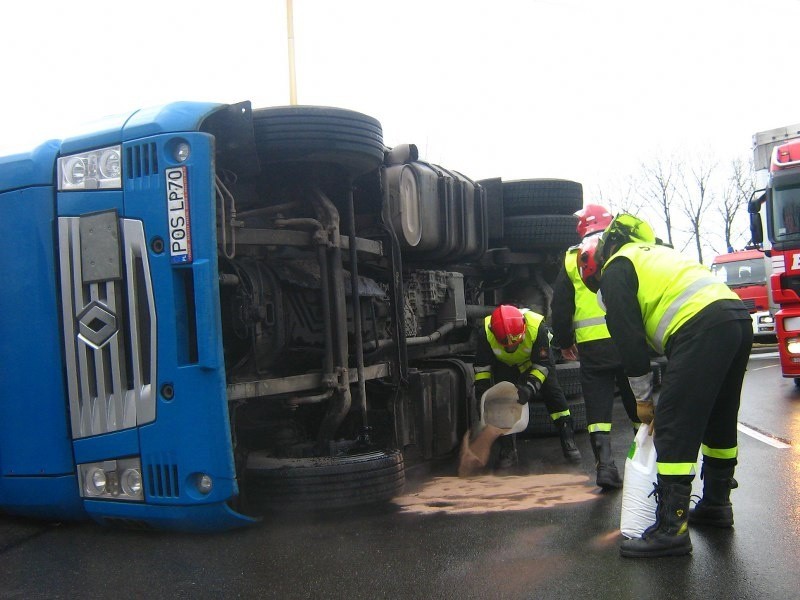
(507, 325)
(589, 263)
(592, 218)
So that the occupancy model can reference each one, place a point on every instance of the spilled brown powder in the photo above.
(489, 493)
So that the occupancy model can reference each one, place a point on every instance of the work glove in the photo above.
(645, 411)
(570, 353)
(642, 388)
(528, 391)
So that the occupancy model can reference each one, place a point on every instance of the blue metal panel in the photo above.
(191, 433)
(42, 497)
(174, 117)
(96, 134)
(34, 168)
(193, 519)
(72, 204)
(34, 433)
(110, 445)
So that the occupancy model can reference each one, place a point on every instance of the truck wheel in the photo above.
(540, 423)
(530, 233)
(324, 482)
(317, 134)
(542, 197)
(569, 377)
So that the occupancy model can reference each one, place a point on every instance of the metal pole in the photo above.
(290, 32)
(359, 342)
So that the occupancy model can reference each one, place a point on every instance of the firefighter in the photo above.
(653, 294)
(513, 345)
(579, 329)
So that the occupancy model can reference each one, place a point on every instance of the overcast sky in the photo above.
(579, 89)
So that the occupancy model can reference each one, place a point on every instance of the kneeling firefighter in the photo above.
(654, 295)
(513, 345)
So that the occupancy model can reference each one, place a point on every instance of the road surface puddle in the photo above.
(488, 493)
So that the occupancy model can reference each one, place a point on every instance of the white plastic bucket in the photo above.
(499, 407)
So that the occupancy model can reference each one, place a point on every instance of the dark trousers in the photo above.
(598, 385)
(700, 394)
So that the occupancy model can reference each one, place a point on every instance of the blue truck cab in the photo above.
(87, 233)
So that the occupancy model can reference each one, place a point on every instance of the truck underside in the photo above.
(352, 277)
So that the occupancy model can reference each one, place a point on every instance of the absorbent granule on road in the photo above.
(475, 450)
(489, 493)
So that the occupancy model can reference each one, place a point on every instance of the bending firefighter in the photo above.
(513, 345)
(579, 329)
(653, 294)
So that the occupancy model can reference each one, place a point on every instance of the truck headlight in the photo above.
(793, 345)
(94, 170)
(119, 479)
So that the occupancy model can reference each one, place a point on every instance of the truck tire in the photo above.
(569, 377)
(318, 134)
(324, 482)
(542, 197)
(540, 423)
(531, 233)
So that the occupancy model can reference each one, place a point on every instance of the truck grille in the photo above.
(109, 323)
(141, 161)
(161, 479)
(749, 303)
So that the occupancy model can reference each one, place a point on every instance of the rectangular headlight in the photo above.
(94, 170)
(119, 479)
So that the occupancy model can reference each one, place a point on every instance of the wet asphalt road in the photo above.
(543, 531)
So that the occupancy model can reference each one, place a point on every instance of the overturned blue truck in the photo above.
(211, 311)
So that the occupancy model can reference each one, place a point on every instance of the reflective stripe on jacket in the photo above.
(672, 289)
(589, 320)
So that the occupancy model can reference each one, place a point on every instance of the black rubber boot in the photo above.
(507, 457)
(607, 474)
(714, 508)
(669, 535)
(568, 447)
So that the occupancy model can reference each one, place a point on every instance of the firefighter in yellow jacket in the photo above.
(513, 345)
(579, 329)
(654, 295)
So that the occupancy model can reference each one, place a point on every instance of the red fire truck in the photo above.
(746, 272)
(781, 197)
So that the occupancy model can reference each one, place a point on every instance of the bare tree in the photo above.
(624, 198)
(734, 197)
(696, 198)
(657, 187)
(687, 194)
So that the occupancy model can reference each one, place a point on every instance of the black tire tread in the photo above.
(569, 377)
(318, 134)
(324, 483)
(540, 423)
(542, 197)
(540, 232)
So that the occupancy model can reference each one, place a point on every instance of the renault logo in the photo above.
(97, 325)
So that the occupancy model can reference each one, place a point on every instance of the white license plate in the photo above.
(180, 238)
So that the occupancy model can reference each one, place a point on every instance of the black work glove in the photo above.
(528, 391)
